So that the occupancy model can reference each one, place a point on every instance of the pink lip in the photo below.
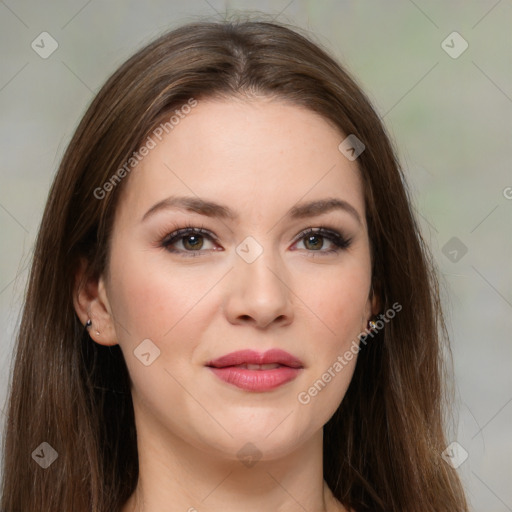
(226, 368)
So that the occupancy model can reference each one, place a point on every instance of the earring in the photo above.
(89, 324)
(372, 324)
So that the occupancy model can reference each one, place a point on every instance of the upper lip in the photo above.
(253, 357)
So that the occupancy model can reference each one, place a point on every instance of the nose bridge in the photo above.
(259, 289)
(259, 266)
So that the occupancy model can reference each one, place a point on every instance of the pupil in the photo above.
(195, 244)
(316, 245)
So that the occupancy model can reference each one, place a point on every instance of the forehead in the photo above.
(255, 155)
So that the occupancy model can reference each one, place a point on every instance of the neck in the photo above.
(176, 475)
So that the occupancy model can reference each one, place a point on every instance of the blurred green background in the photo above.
(447, 107)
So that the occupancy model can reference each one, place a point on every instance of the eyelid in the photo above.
(338, 238)
(186, 230)
(177, 234)
(341, 241)
(324, 231)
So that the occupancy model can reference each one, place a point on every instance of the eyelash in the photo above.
(340, 241)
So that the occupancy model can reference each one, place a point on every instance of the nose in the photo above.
(257, 293)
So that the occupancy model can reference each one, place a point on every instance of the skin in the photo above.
(260, 157)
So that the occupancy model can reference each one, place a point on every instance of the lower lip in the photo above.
(256, 380)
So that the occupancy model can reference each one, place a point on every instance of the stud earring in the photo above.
(372, 324)
(89, 324)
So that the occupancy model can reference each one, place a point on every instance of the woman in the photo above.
(230, 304)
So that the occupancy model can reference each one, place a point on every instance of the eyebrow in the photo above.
(212, 209)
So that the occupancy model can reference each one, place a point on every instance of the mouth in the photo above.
(253, 359)
(270, 366)
(254, 371)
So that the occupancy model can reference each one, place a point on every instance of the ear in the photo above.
(373, 304)
(91, 302)
(375, 299)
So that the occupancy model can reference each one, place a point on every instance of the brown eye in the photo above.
(188, 241)
(192, 242)
(314, 240)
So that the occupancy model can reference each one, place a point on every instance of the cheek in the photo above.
(337, 300)
(151, 298)
(337, 308)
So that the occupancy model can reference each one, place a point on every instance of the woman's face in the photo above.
(256, 278)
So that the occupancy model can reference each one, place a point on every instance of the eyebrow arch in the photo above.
(212, 209)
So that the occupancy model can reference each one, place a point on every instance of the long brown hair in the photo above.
(382, 447)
